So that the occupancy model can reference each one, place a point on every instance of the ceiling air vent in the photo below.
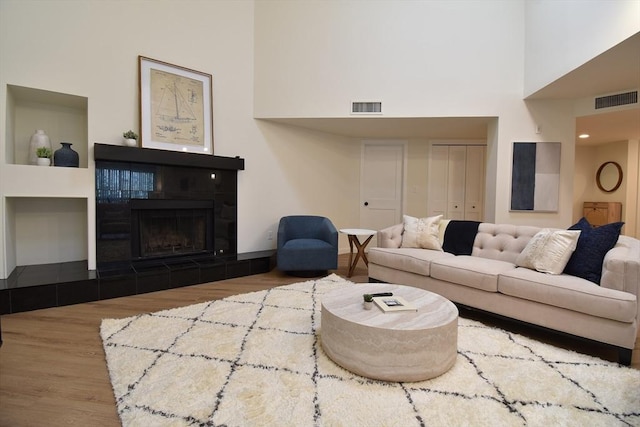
(617, 100)
(366, 107)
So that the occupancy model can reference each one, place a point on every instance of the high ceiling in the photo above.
(616, 70)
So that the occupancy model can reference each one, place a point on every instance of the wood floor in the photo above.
(52, 366)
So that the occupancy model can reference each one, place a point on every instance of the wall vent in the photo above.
(617, 100)
(366, 107)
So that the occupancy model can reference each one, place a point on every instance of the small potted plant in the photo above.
(130, 138)
(368, 301)
(44, 156)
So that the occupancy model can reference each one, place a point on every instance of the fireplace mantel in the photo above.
(121, 153)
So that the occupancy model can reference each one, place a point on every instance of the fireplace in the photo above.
(162, 228)
(183, 205)
(156, 205)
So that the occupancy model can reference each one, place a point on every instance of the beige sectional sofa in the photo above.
(489, 279)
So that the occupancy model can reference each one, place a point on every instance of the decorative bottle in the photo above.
(65, 156)
(38, 139)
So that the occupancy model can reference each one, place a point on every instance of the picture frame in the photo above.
(535, 177)
(176, 107)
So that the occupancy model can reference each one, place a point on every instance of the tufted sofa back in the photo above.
(495, 241)
(502, 242)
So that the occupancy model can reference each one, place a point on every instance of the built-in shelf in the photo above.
(41, 181)
(47, 212)
(63, 117)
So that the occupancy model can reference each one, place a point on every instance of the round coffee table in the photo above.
(392, 346)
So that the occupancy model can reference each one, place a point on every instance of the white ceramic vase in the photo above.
(368, 305)
(43, 161)
(129, 142)
(38, 139)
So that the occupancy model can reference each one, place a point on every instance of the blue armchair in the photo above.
(307, 245)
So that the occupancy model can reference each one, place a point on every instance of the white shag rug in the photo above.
(256, 360)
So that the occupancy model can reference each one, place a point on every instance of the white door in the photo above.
(381, 183)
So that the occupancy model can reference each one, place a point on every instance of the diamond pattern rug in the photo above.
(256, 360)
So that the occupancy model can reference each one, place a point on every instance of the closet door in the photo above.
(437, 176)
(474, 183)
(456, 181)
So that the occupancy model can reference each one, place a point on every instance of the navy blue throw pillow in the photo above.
(593, 245)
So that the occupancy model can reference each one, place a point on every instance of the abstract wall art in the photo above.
(535, 176)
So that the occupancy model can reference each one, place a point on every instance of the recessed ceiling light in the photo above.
(583, 136)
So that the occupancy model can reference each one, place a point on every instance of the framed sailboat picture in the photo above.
(175, 107)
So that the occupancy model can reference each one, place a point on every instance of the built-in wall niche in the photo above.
(62, 116)
(46, 230)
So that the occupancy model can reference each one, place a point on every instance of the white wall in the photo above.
(556, 123)
(420, 58)
(298, 171)
(563, 35)
(91, 48)
(632, 208)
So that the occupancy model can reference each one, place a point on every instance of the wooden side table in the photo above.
(353, 234)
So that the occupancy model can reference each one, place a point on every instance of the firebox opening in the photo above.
(172, 233)
(164, 229)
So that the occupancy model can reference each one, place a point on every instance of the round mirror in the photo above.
(609, 177)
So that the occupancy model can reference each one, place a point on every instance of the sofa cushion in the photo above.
(475, 272)
(593, 245)
(416, 261)
(549, 250)
(421, 232)
(570, 292)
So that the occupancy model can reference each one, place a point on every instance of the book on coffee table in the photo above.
(394, 303)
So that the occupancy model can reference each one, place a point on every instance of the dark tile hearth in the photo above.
(51, 285)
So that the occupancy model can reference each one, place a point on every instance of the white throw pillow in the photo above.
(421, 232)
(549, 250)
(442, 228)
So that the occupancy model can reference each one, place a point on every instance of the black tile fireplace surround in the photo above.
(134, 195)
(168, 188)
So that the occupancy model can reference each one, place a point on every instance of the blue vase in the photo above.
(66, 156)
